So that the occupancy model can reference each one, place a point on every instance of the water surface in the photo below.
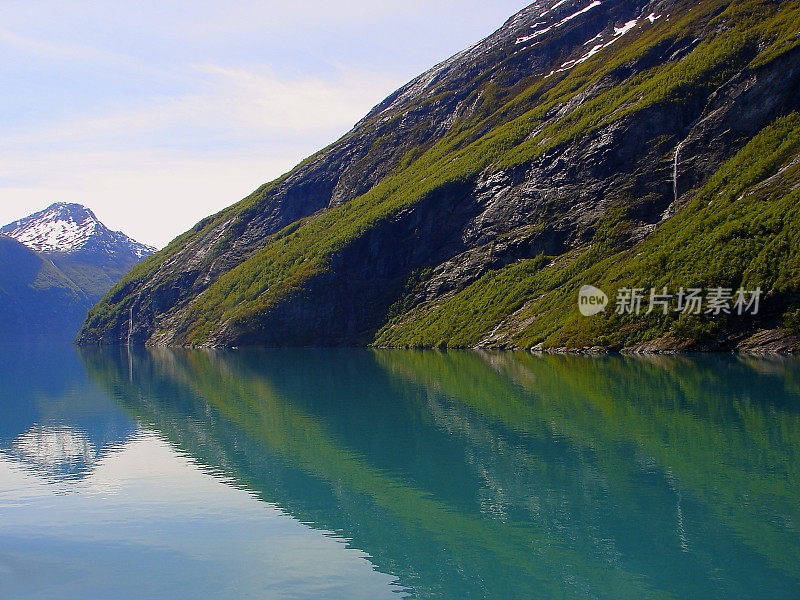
(396, 474)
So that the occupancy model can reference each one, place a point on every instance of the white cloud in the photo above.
(240, 104)
(158, 114)
(153, 157)
(55, 51)
(300, 105)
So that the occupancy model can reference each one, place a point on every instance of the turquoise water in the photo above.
(396, 474)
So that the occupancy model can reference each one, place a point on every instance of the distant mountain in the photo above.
(54, 265)
(70, 235)
(64, 227)
(622, 144)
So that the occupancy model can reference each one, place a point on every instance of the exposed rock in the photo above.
(651, 160)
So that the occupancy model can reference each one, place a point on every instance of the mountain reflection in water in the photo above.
(468, 474)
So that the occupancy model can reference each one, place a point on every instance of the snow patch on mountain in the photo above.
(64, 228)
(618, 32)
(564, 21)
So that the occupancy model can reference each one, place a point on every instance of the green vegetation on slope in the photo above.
(737, 36)
(741, 230)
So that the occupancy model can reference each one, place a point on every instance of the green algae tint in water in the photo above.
(390, 474)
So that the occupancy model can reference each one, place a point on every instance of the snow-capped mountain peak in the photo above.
(67, 227)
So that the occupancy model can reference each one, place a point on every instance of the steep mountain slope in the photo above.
(611, 142)
(36, 298)
(56, 264)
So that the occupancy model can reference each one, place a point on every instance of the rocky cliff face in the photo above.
(468, 207)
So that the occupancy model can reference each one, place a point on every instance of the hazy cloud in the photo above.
(157, 114)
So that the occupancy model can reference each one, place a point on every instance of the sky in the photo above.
(157, 114)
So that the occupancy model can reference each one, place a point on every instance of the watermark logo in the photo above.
(591, 301)
(690, 301)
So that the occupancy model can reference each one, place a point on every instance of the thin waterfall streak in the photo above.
(130, 325)
(676, 162)
(130, 316)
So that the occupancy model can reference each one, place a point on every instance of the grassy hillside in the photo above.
(741, 230)
(745, 211)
